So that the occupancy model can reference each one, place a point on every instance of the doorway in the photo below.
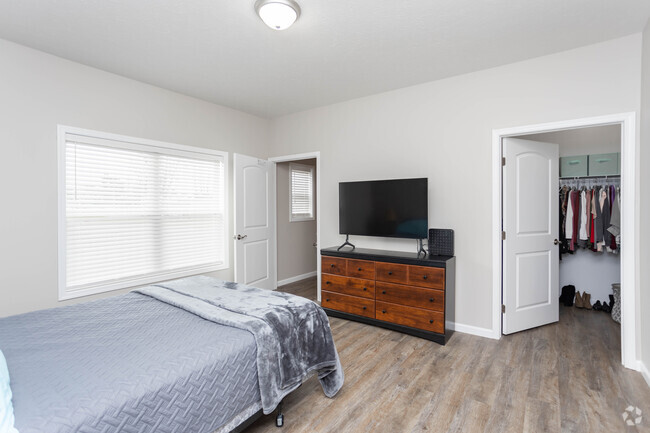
(297, 217)
(626, 122)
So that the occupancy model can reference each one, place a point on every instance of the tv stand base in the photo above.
(347, 242)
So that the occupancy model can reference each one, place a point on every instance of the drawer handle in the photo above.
(365, 288)
(390, 272)
(383, 311)
(332, 265)
(431, 300)
(430, 321)
(328, 282)
(327, 300)
(383, 292)
(424, 277)
(364, 308)
(358, 269)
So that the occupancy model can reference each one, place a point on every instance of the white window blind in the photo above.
(138, 213)
(302, 192)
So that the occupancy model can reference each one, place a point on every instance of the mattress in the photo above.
(127, 364)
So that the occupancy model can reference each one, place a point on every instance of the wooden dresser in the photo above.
(391, 289)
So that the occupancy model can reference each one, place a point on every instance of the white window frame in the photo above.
(303, 167)
(127, 142)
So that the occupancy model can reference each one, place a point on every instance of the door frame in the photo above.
(297, 157)
(629, 254)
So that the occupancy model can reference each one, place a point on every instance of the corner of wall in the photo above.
(643, 339)
(644, 372)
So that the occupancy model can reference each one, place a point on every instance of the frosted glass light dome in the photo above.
(278, 14)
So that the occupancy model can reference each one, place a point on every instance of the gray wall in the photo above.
(644, 240)
(40, 91)
(296, 254)
(443, 130)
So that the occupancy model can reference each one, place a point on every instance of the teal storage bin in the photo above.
(573, 166)
(604, 164)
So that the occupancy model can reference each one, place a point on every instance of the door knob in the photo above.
(555, 242)
(239, 237)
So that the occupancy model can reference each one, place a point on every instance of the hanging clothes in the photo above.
(575, 203)
(569, 220)
(589, 218)
(615, 221)
(583, 217)
(564, 246)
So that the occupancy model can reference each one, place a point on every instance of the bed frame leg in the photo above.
(279, 419)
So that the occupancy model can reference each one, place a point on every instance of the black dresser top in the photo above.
(387, 256)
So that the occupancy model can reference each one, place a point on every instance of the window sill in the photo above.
(67, 294)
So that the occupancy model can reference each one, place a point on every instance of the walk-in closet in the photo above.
(589, 196)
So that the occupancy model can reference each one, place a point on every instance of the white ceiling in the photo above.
(220, 51)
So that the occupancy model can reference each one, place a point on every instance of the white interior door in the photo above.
(255, 254)
(530, 222)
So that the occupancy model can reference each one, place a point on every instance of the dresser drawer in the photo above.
(348, 286)
(348, 304)
(361, 269)
(419, 318)
(333, 265)
(423, 276)
(428, 299)
(391, 272)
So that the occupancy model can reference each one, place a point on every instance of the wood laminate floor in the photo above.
(563, 377)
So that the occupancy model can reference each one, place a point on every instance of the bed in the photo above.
(192, 355)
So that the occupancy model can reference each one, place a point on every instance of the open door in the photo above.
(530, 224)
(255, 257)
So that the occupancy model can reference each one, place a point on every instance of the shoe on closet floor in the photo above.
(611, 302)
(586, 301)
(578, 300)
(606, 308)
(568, 293)
(598, 306)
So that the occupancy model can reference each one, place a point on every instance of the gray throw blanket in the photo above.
(292, 333)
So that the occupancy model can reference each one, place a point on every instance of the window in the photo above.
(301, 178)
(135, 211)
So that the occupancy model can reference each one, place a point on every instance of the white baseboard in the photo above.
(644, 372)
(296, 278)
(473, 330)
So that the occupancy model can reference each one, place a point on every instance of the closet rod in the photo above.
(613, 176)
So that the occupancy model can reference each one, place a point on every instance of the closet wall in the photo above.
(587, 270)
(296, 253)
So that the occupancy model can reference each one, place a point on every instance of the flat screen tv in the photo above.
(385, 208)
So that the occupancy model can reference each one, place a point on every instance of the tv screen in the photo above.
(387, 208)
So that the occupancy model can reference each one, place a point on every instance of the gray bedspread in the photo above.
(127, 364)
(292, 333)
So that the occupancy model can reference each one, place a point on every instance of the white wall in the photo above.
(644, 238)
(591, 272)
(442, 130)
(39, 91)
(296, 253)
(583, 141)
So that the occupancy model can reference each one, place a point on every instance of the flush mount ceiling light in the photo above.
(278, 14)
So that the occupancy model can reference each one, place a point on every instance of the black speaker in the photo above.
(441, 242)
